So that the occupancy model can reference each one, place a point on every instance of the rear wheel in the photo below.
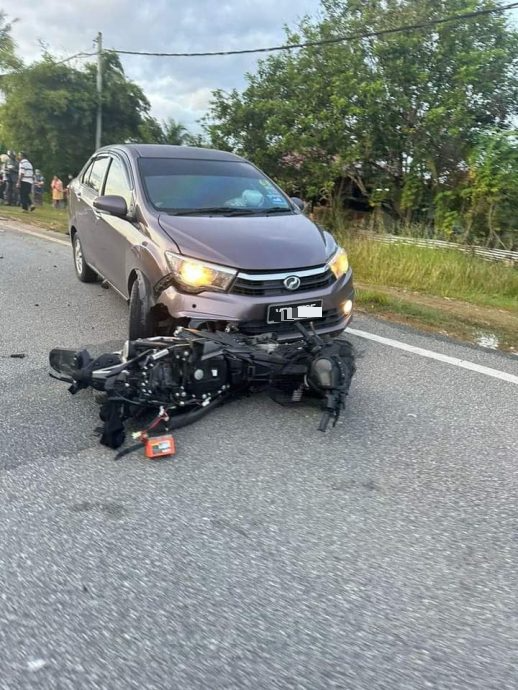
(84, 272)
(141, 321)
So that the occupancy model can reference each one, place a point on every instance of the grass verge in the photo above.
(445, 291)
(497, 329)
(438, 272)
(42, 217)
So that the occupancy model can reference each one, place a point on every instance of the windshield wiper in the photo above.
(211, 211)
(277, 209)
(229, 211)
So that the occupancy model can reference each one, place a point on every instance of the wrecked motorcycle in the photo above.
(180, 378)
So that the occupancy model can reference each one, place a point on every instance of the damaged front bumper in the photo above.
(249, 313)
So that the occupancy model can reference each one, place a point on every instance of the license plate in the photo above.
(277, 313)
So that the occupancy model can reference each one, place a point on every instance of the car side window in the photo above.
(117, 181)
(96, 177)
(86, 174)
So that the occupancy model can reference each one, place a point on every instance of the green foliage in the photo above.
(440, 272)
(50, 109)
(45, 107)
(483, 206)
(150, 131)
(396, 115)
(50, 112)
(169, 132)
(8, 57)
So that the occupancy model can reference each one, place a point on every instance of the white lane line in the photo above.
(41, 235)
(487, 371)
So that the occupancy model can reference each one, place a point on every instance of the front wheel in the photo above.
(84, 272)
(141, 321)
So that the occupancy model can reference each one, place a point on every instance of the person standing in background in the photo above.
(25, 181)
(57, 192)
(39, 185)
(66, 190)
(11, 179)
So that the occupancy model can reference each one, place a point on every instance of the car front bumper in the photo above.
(249, 312)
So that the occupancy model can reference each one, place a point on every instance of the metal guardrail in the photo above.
(488, 254)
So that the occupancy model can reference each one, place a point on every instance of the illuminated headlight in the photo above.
(339, 263)
(194, 276)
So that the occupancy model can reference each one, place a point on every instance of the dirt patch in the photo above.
(488, 326)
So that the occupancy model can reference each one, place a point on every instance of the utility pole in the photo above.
(98, 131)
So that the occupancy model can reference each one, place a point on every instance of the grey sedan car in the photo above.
(199, 237)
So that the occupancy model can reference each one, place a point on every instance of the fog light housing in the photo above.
(347, 307)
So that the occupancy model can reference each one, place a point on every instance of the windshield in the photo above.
(180, 185)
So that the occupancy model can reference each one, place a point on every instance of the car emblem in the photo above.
(292, 282)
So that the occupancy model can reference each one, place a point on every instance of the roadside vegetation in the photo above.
(415, 125)
(416, 129)
(458, 294)
(439, 272)
(45, 217)
(496, 329)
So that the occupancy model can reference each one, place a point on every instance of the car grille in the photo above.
(330, 318)
(261, 285)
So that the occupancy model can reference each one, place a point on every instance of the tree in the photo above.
(175, 132)
(169, 132)
(50, 112)
(125, 106)
(151, 131)
(395, 115)
(8, 57)
(484, 206)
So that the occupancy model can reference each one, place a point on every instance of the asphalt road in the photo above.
(382, 554)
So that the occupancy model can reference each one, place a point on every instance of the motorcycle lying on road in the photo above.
(181, 378)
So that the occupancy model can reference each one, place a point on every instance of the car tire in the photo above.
(84, 272)
(141, 321)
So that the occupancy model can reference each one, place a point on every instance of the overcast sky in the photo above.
(176, 87)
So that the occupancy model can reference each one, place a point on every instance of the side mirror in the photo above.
(298, 202)
(112, 204)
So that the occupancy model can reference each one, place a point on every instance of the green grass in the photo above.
(43, 217)
(437, 272)
(467, 326)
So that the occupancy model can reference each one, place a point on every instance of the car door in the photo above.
(87, 216)
(79, 210)
(119, 234)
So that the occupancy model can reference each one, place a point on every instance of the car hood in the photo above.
(273, 242)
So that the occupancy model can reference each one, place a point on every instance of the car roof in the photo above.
(169, 151)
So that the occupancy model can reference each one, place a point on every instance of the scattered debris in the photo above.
(36, 665)
(488, 340)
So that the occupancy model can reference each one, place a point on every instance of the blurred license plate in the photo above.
(290, 312)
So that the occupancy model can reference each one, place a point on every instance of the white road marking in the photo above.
(41, 235)
(455, 361)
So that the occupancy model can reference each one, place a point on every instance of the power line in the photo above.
(59, 62)
(337, 39)
(307, 44)
(73, 57)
